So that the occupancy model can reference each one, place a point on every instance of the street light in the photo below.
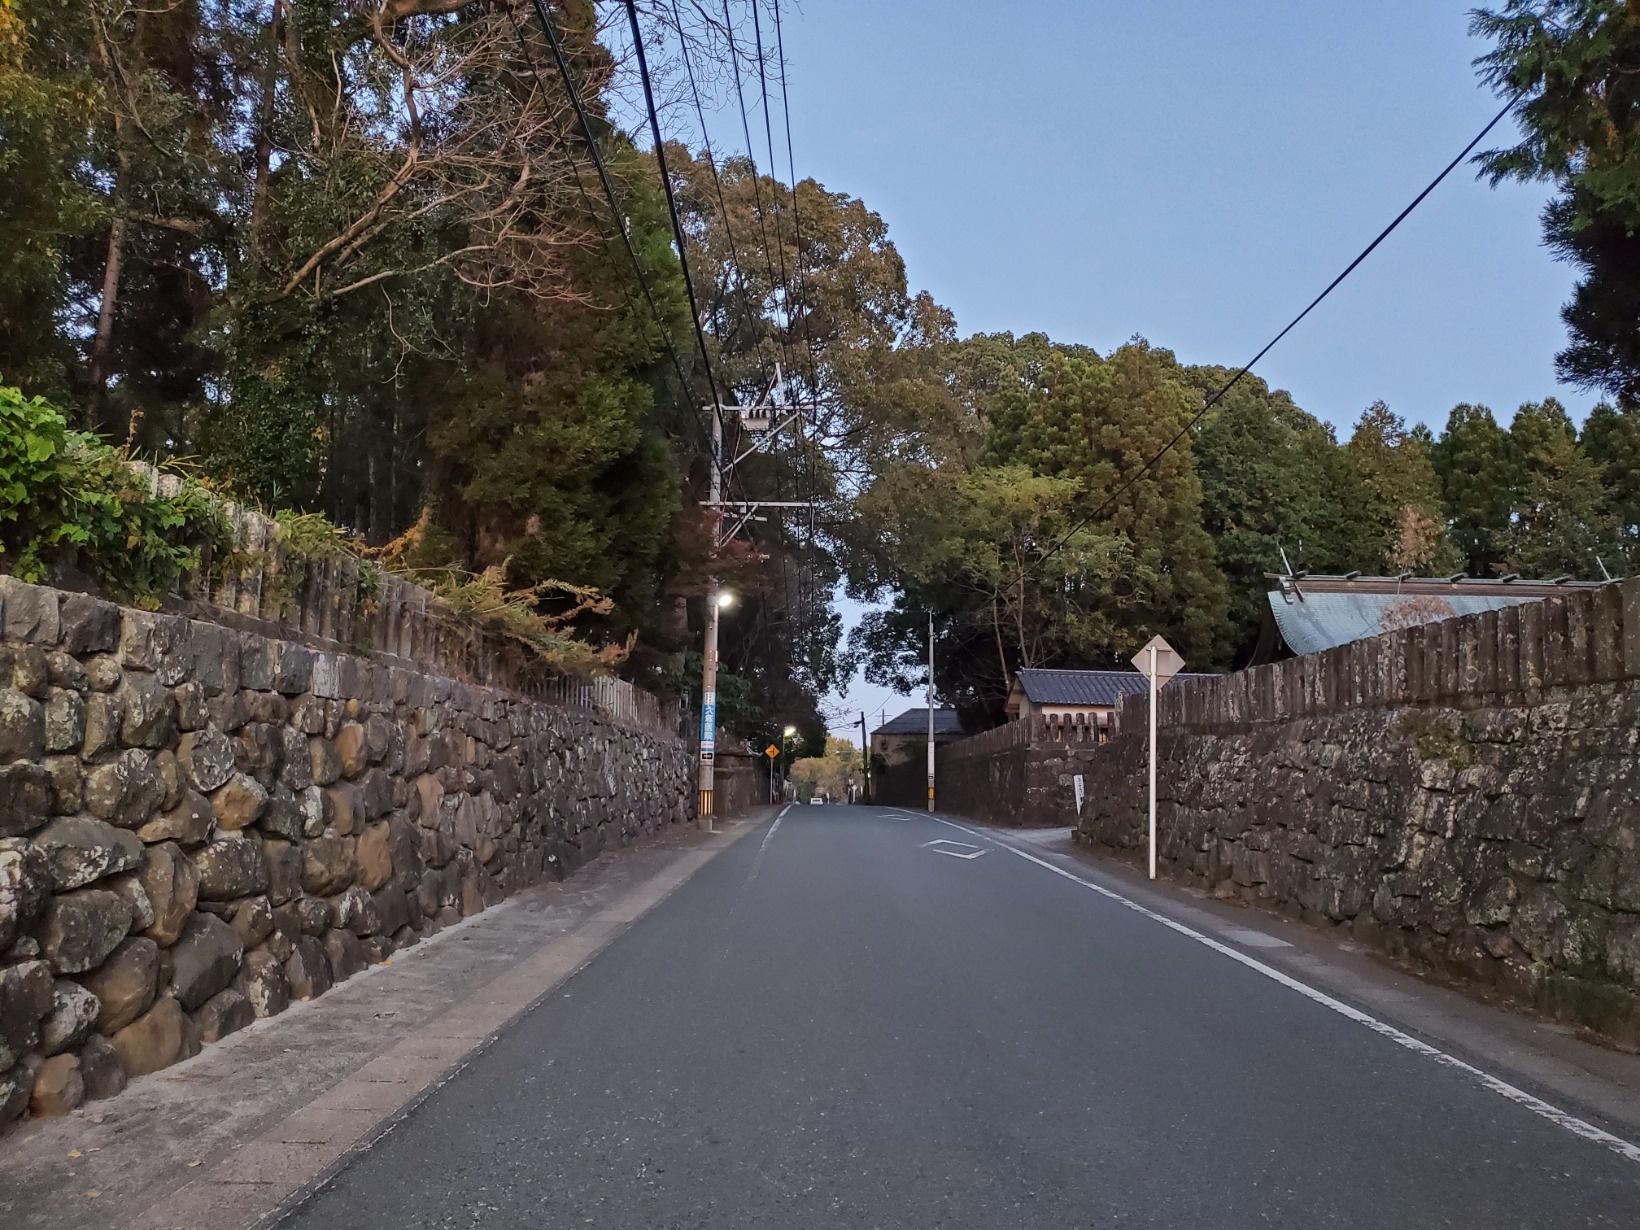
(715, 603)
(785, 751)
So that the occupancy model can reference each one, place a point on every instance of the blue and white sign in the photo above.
(708, 722)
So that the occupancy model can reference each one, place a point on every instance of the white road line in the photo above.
(937, 846)
(769, 836)
(1574, 1125)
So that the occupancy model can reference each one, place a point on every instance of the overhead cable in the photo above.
(1248, 367)
(672, 206)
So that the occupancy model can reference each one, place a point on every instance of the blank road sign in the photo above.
(1168, 661)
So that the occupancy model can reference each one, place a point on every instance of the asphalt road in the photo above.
(835, 1024)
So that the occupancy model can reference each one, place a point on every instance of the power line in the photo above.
(672, 207)
(711, 158)
(751, 158)
(1248, 367)
(574, 93)
(797, 216)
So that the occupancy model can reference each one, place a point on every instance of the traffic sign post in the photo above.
(1158, 662)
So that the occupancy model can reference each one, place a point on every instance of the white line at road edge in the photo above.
(1574, 1125)
(769, 836)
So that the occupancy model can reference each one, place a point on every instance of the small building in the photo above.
(901, 739)
(1082, 701)
(1310, 613)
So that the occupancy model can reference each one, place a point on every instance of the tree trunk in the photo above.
(102, 344)
(264, 116)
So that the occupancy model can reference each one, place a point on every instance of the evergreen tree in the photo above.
(1563, 526)
(1480, 472)
(1390, 472)
(1099, 422)
(1574, 67)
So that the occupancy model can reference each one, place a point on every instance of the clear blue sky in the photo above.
(1193, 172)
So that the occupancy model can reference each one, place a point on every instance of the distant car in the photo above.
(816, 801)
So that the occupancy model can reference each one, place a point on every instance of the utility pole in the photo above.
(709, 658)
(759, 421)
(865, 753)
(931, 711)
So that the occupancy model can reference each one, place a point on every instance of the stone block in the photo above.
(345, 954)
(72, 1018)
(351, 749)
(100, 1069)
(27, 798)
(64, 721)
(207, 758)
(15, 1088)
(127, 791)
(328, 865)
(189, 823)
(26, 996)
(104, 715)
(150, 712)
(64, 671)
(224, 1013)
(307, 970)
(30, 612)
(153, 1041)
(204, 960)
(22, 727)
(129, 885)
(231, 867)
(216, 658)
(253, 921)
(266, 986)
(57, 1086)
(292, 668)
(125, 983)
(374, 857)
(81, 928)
(282, 817)
(80, 850)
(30, 669)
(239, 803)
(25, 887)
(88, 625)
(192, 709)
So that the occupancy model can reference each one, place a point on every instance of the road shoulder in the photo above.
(1550, 1060)
(224, 1139)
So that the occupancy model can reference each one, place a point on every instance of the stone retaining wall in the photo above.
(1463, 796)
(199, 824)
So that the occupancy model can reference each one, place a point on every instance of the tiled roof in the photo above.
(1098, 688)
(915, 722)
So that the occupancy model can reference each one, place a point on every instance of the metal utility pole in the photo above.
(709, 658)
(931, 711)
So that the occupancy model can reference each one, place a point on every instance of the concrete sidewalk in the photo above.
(221, 1140)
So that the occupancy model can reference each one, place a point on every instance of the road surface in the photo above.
(839, 1024)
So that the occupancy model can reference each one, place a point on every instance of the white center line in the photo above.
(1564, 1119)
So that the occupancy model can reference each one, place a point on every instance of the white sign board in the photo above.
(1167, 659)
(1076, 782)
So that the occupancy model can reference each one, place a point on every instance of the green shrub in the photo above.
(69, 501)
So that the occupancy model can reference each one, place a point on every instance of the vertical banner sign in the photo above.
(708, 725)
(1076, 782)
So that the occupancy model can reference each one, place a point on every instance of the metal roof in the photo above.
(915, 722)
(1097, 688)
(1311, 621)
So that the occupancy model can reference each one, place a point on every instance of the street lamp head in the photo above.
(790, 731)
(723, 599)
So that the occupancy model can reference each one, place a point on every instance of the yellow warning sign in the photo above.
(771, 751)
